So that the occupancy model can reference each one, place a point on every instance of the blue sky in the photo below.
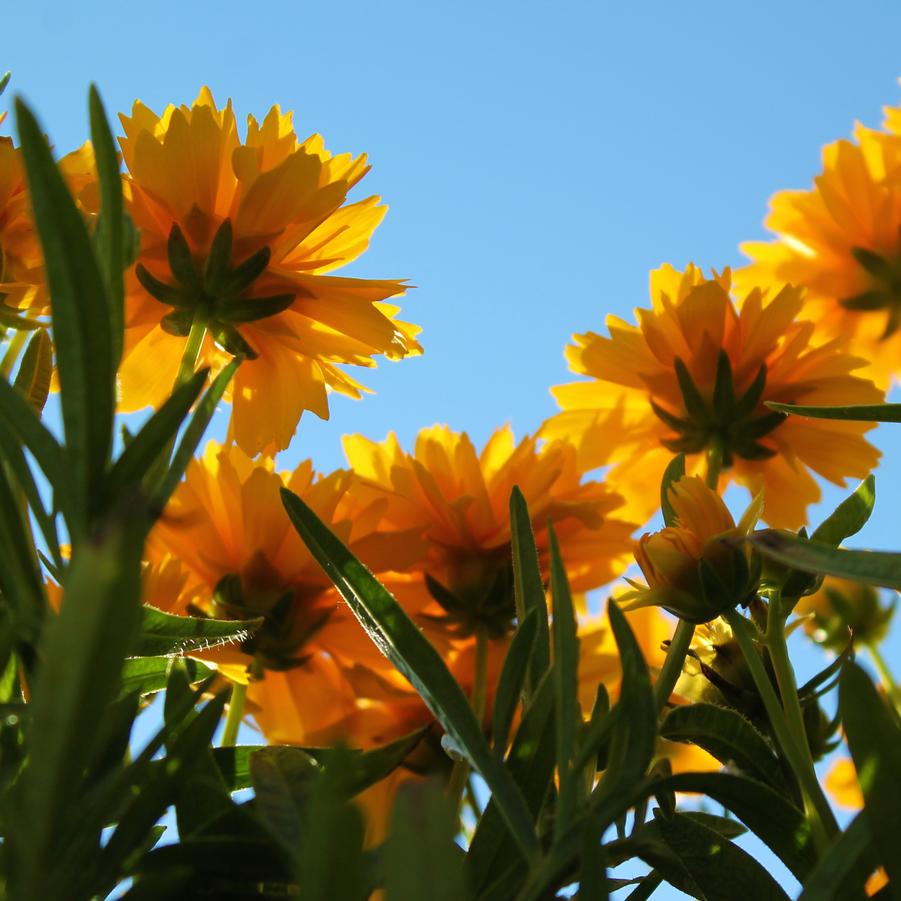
(538, 159)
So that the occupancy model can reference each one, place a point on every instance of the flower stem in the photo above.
(192, 350)
(672, 665)
(885, 673)
(714, 463)
(819, 814)
(235, 714)
(16, 343)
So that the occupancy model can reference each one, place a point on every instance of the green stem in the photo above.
(235, 714)
(16, 343)
(885, 673)
(714, 463)
(672, 665)
(192, 350)
(820, 816)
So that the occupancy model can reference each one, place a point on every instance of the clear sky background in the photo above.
(538, 158)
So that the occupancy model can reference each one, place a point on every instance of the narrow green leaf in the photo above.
(511, 681)
(728, 736)
(872, 567)
(874, 739)
(398, 638)
(593, 870)
(674, 471)
(147, 675)
(35, 370)
(848, 412)
(421, 859)
(528, 587)
(566, 685)
(850, 516)
(842, 872)
(165, 634)
(110, 223)
(80, 311)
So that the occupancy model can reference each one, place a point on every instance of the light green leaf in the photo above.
(147, 675)
(850, 516)
(165, 634)
(674, 471)
(35, 370)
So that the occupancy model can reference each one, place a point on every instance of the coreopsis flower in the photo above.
(693, 377)
(460, 499)
(841, 611)
(239, 235)
(697, 568)
(237, 556)
(842, 785)
(841, 241)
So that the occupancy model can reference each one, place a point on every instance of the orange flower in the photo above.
(840, 240)
(238, 236)
(694, 376)
(842, 785)
(225, 547)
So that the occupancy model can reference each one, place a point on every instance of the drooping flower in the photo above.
(693, 377)
(239, 557)
(241, 234)
(697, 568)
(460, 500)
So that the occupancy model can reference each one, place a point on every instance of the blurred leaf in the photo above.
(81, 321)
(110, 237)
(674, 471)
(398, 638)
(147, 675)
(421, 859)
(848, 412)
(528, 587)
(874, 739)
(872, 567)
(843, 870)
(850, 516)
(566, 686)
(593, 870)
(511, 681)
(728, 736)
(35, 370)
(165, 634)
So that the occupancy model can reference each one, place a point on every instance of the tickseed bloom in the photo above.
(460, 498)
(693, 377)
(237, 237)
(841, 241)
(697, 568)
(240, 558)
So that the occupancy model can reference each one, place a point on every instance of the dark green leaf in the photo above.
(146, 675)
(398, 638)
(511, 681)
(850, 516)
(841, 873)
(253, 308)
(848, 412)
(165, 634)
(674, 471)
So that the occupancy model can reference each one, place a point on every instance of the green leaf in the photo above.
(848, 412)
(674, 471)
(874, 739)
(35, 370)
(110, 238)
(716, 865)
(871, 567)
(81, 322)
(566, 687)
(511, 681)
(165, 634)
(528, 587)
(83, 654)
(842, 872)
(728, 736)
(155, 438)
(421, 859)
(775, 821)
(850, 516)
(593, 875)
(398, 638)
(147, 675)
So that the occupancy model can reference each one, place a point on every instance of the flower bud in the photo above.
(843, 611)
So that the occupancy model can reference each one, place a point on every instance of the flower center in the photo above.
(217, 293)
(725, 420)
(885, 291)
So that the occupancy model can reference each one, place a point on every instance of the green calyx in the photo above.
(218, 293)
(725, 421)
(885, 292)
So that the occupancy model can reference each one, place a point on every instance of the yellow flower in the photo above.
(842, 785)
(694, 375)
(242, 234)
(226, 548)
(460, 498)
(840, 240)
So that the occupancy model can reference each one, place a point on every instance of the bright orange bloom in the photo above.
(460, 499)
(841, 241)
(842, 785)
(242, 234)
(225, 547)
(694, 375)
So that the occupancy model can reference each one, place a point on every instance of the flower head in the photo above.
(697, 568)
(842, 611)
(841, 241)
(239, 235)
(460, 498)
(694, 376)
